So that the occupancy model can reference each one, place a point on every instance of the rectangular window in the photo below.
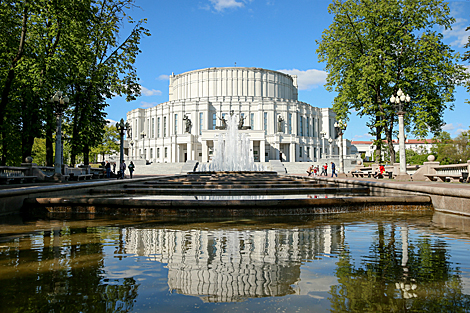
(265, 126)
(166, 152)
(158, 127)
(200, 123)
(301, 126)
(151, 153)
(176, 124)
(308, 152)
(308, 126)
(164, 126)
(158, 153)
(289, 122)
(300, 152)
(152, 130)
(252, 120)
(214, 120)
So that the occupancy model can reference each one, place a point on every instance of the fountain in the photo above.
(232, 150)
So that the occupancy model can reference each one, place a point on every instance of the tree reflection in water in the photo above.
(61, 270)
(399, 276)
(338, 263)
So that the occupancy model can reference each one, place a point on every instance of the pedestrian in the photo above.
(333, 170)
(123, 169)
(108, 169)
(315, 171)
(325, 168)
(114, 167)
(131, 168)
(310, 170)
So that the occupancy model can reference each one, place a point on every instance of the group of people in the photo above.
(314, 170)
(122, 169)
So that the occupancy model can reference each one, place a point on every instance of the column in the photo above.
(189, 150)
(277, 148)
(204, 151)
(262, 151)
(292, 152)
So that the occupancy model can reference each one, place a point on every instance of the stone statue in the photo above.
(224, 123)
(188, 124)
(279, 123)
(129, 132)
(241, 120)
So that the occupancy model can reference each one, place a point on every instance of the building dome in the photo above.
(233, 82)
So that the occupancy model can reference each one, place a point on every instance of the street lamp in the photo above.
(143, 134)
(340, 129)
(60, 101)
(330, 140)
(399, 101)
(132, 148)
(322, 134)
(121, 127)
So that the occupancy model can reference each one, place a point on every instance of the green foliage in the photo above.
(375, 47)
(39, 151)
(413, 157)
(452, 151)
(79, 47)
(109, 142)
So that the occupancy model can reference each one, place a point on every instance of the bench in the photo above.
(17, 179)
(445, 177)
(78, 177)
(361, 174)
(15, 174)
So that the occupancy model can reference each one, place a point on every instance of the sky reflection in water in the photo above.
(339, 263)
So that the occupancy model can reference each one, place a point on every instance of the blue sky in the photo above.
(273, 34)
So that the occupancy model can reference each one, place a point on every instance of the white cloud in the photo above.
(457, 36)
(148, 92)
(220, 5)
(308, 79)
(110, 121)
(448, 127)
(365, 136)
(163, 77)
(146, 105)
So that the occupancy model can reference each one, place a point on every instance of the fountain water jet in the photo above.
(232, 151)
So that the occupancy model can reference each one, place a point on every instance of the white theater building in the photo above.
(280, 127)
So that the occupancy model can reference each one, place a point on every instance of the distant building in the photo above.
(186, 127)
(367, 147)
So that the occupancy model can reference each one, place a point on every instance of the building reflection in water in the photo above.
(233, 265)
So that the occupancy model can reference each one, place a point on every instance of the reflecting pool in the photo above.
(389, 262)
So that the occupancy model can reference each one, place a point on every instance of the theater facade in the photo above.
(280, 127)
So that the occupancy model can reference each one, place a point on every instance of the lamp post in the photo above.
(340, 129)
(121, 127)
(330, 140)
(322, 134)
(143, 134)
(60, 101)
(399, 101)
(132, 148)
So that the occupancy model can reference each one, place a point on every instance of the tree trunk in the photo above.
(388, 136)
(86, 154)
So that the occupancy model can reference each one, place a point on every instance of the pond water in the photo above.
(390, 262)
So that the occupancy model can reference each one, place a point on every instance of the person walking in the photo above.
(325, 169)
(108, 169)
(123, 169)
(333, 170)
(131, 168)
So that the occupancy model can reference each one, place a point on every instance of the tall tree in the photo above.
(375, 47)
